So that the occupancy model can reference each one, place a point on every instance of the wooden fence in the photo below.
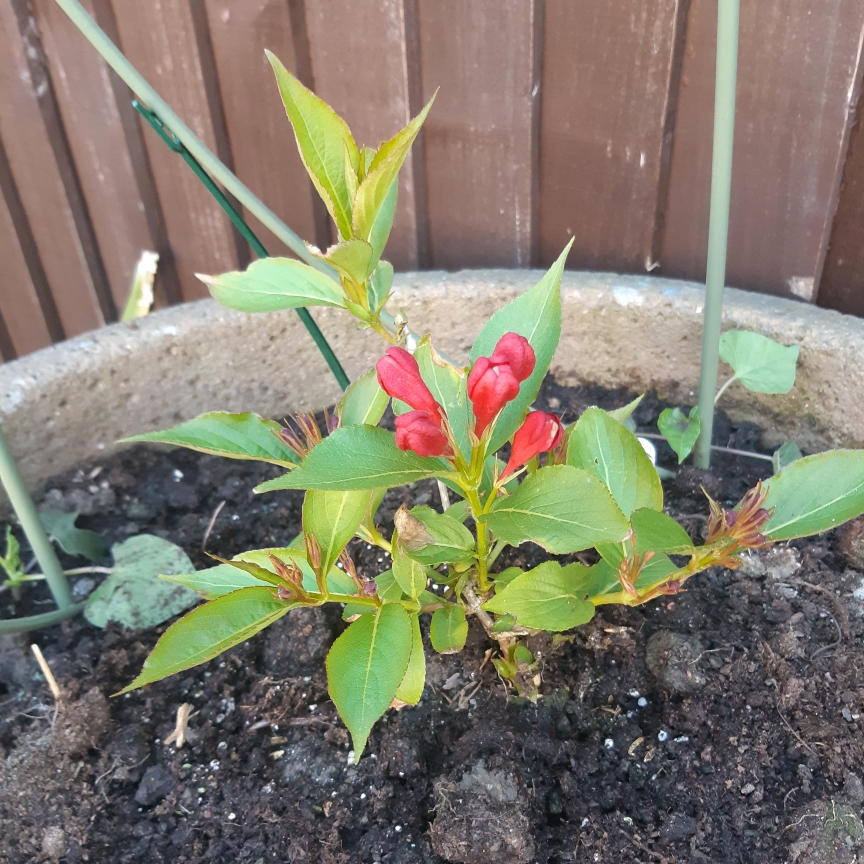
(555, 119)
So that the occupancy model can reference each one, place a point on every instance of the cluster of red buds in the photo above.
(743, 527)
(307, 434)
(492, 383)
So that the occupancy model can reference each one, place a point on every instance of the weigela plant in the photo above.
(516, 475)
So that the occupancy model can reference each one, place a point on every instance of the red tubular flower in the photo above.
(490, 387)
(517, 353)
(539, 433)
(421, 432)
(399, 377)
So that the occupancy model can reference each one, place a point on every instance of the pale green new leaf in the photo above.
(379, 285)
(365, 667)
(448, 629)
(625, 412)
(208, 631)
(71, 539)
(323, 138)
(544, 598)
(411, 575)
(270, 284)
(815, 494)
(680, 430)
(356, 457)
(562, 508)
(235, 436)
(445, 539)
(605, 448)
(333, 518)
(411, 689)
(536, 315)
(351, 258)
(364, 402)
(785, 455)
(657, 532)
(759, 363)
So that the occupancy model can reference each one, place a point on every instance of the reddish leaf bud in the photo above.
(731, 517)
(490, 388)
(517, 353)
(421, 432)
(539, 433)
(370, 587)
(399, 377)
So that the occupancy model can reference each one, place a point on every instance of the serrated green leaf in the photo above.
(133, 595)
(350, 258)
(411, 575)
(323, 139)
(379, 285)
(234, 436)
(562, 508)
(505, 577)
(365, 667)
(445, 539)
(333, 518)
(815, 494)
(411, 689)
(73, 541)
(657, 532)
(785, 455)
(680, 430)
(364, 402)
(448, 629)
(536, 315)
(356, 457)
(759, 363)
(375, 201)
(208, 631)
(543, 599)
(270, 284)
(603, 447)
(626, 411)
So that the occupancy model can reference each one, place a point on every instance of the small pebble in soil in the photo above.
(642, 702)
(635, 694)
(662, 736)
(609, 744)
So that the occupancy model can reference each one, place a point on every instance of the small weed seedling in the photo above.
(589, 486)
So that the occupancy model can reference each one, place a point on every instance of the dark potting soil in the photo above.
(718, 725)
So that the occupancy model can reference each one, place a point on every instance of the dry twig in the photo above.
(178, 736)
(210, 525)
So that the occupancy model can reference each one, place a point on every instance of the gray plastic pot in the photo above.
(75, 399)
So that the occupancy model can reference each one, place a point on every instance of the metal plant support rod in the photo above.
(718, 225)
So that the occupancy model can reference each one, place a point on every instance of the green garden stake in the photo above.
(718, 226)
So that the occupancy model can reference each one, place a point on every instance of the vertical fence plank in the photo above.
(606, 81)
(359, 66)
(479, 134)
(797, 62)
(262, 143)
(159, 39)
(95, 135)
(40, 185)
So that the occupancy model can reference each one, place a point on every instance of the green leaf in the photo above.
(379, 285)
(680, 430)
(375, 201)
(357, 457)
(626, 411)
(133, 595)
(759, 363)
(73, 541)
(613, 454)
(536, 315)
(786, 455)
(504, 624)
(323, 138)
(351, 258)
(12, 564)
(333, 518)
(235, 436)
(208, 631)
(815, 494)
(411, 689)
(601, 580)
(562, 508)
(411, 575)
(270, 284)
(505, 577)
(543, 599)
(449, 387)
(433, 538)
(448, 629)
(364, 402)
(365, 667)
(657, 532)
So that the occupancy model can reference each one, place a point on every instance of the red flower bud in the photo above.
(490, 388)
(421, 432)
(539, 433)
(517, 353)
(399, 377)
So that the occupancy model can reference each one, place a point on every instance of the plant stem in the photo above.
(718, 226)
(24, 508)
(724, 388)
